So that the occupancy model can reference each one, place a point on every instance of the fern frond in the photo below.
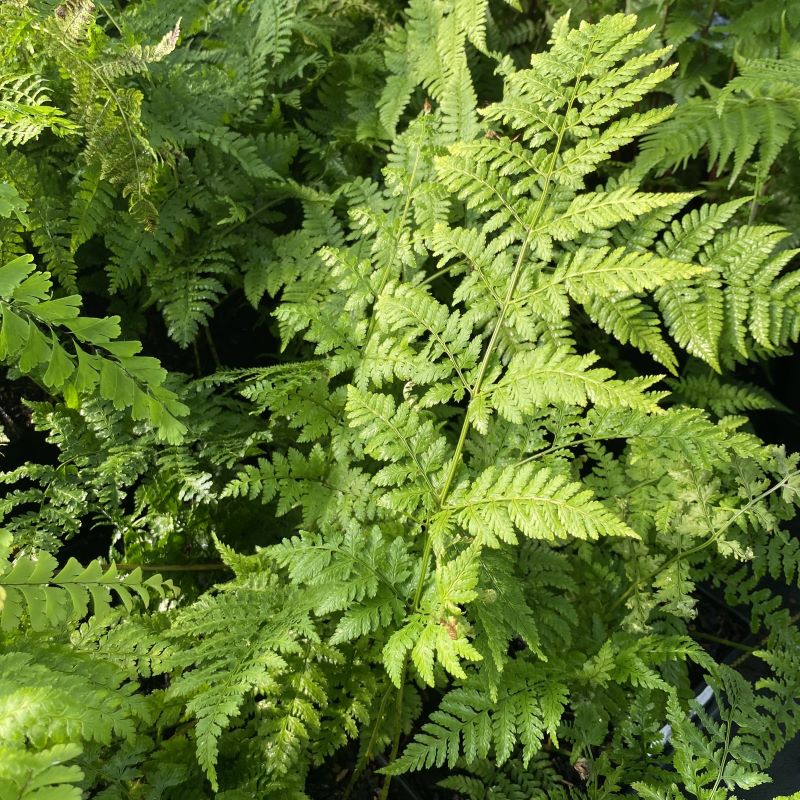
(404, 438)
(534, 501)
(722, 398)
(472, 722)
(50, 595)
(630, 321)
(543, 376)
(245, 639)
(33, 326)
(25, 111)
(447, 355)
(27, 776)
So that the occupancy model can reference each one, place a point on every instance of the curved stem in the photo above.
(398, 727)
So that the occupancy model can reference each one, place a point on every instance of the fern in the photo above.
(31, 774)
(493, 516)
(510, 356)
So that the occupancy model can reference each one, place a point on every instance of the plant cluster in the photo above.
(449, 432)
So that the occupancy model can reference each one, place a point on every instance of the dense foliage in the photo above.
(452, 312)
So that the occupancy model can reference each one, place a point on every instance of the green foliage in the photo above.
(462, 517)
(95, 361)
(58, 701)
(49, 596)
(201, 134)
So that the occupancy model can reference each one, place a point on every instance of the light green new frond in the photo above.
(53, 694)
(595, 211)
(685, 436)
(741, 303)
(547, 376)
(694, 316)
(488, 266)
(603, 272)
(324, 493)
(253, 481)
(581, 159)
(436, 346)
(296, 390)
(428, 641)
(590, 49)
(533, 500)
(485, 192)
(608, 93)
(430, 51)
(529, 105)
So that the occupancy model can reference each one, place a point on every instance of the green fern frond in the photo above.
(26, 111)
(27, 776)
(50, 596)
(533, 501)
(722, 398)
(245, 638)
(33, 327)
(404, 438)
(547, 376)
(471, 722)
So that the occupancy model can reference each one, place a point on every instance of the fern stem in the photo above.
(366, 752)
(212, 347)
(512, 285)
(398, 727)
(175, 567)
(757, 189)
(664, 17)
(725, 754)
(722, 640)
